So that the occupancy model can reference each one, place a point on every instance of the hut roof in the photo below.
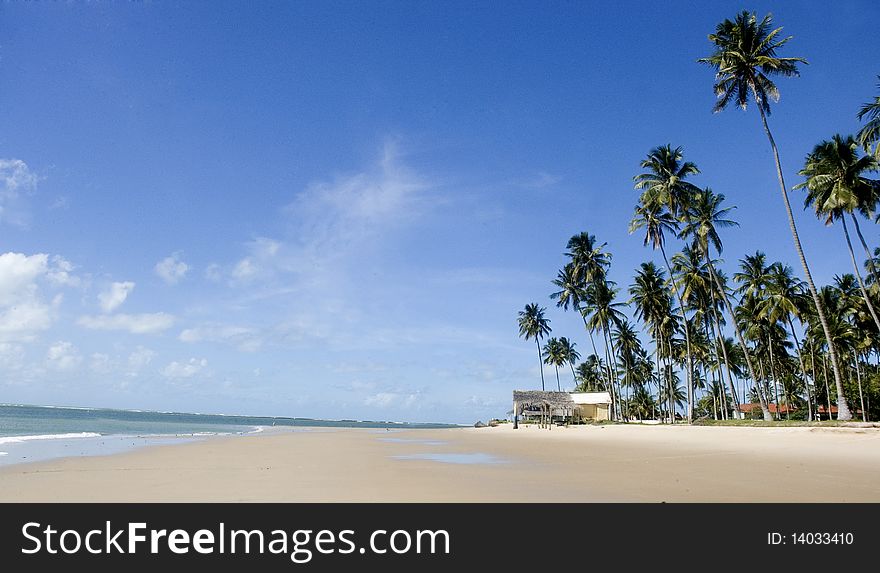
(526, 398)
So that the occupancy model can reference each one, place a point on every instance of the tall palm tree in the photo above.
(653, 217)
(533, 324)
(744, 59)
(653, 306)
(572, 290)
(555, 356)
(785, 295)
(571, 355)
(703, 218)
(870, 132)
(836, 187)
(588, 265)
(606, 312)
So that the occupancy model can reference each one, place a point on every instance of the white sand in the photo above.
(588, 463)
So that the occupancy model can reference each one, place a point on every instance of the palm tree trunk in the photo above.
(616, 382)
(687, 338)
(615, 396)
(716, 325)
(773, 377)
(742, 342)
(558, 385)
(827, 388)
(870, 259)
(669, 386)
(573, 375)
(659, 377)
(843, 412)
(855, 265)
(861, 396)
(540, 363)
(797, 346)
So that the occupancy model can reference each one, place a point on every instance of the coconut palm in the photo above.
(744, 59)
(653, 306)
(606, 312)
(703, 218)
(870, 132)
(836, 186)
(784, 300)
(533, 324)
(567, 348)
(590, 376)
(555, 356)
(653, 217)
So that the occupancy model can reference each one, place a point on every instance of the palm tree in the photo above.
(653, 306)
(601, 296)
(533, 324)
(651, 215)
(785, 295)
(588, 265)
(836, 187)
(589, 375)
(744, 59)
(566, 347)
(555, 356)
(703, 218)
(870, 132)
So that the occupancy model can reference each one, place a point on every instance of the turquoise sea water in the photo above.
(34, 433)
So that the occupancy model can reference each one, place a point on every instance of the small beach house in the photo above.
(568, 406)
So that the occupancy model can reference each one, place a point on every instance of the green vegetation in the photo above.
(764, 343)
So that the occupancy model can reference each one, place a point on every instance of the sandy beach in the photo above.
(579, 464)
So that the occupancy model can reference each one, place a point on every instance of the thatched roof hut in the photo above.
(529, 398)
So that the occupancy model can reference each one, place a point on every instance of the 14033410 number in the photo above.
(822, 538)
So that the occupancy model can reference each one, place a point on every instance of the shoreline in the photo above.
(650, 463)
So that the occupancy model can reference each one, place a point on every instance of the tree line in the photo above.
(796, 350)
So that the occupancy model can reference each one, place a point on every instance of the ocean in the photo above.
(36, 433)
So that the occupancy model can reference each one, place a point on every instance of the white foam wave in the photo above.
(18, 439)
(4, 453)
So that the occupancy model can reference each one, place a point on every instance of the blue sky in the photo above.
(337, 209)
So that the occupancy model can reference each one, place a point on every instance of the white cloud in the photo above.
(134, 323)
(338, 216)
(388, 399)
(23, 312)
(245, 339)
(184, 369)
(60, 272)
(139, 359)
(15, 178)
(18, 273)
(171, 269)
(113, 297)
(63, 356)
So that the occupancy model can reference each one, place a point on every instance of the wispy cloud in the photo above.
(63, 356)
(171, 269)
(539, 180)
(133, 323)
(186, 369)
(16, 178)
(244, 338)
